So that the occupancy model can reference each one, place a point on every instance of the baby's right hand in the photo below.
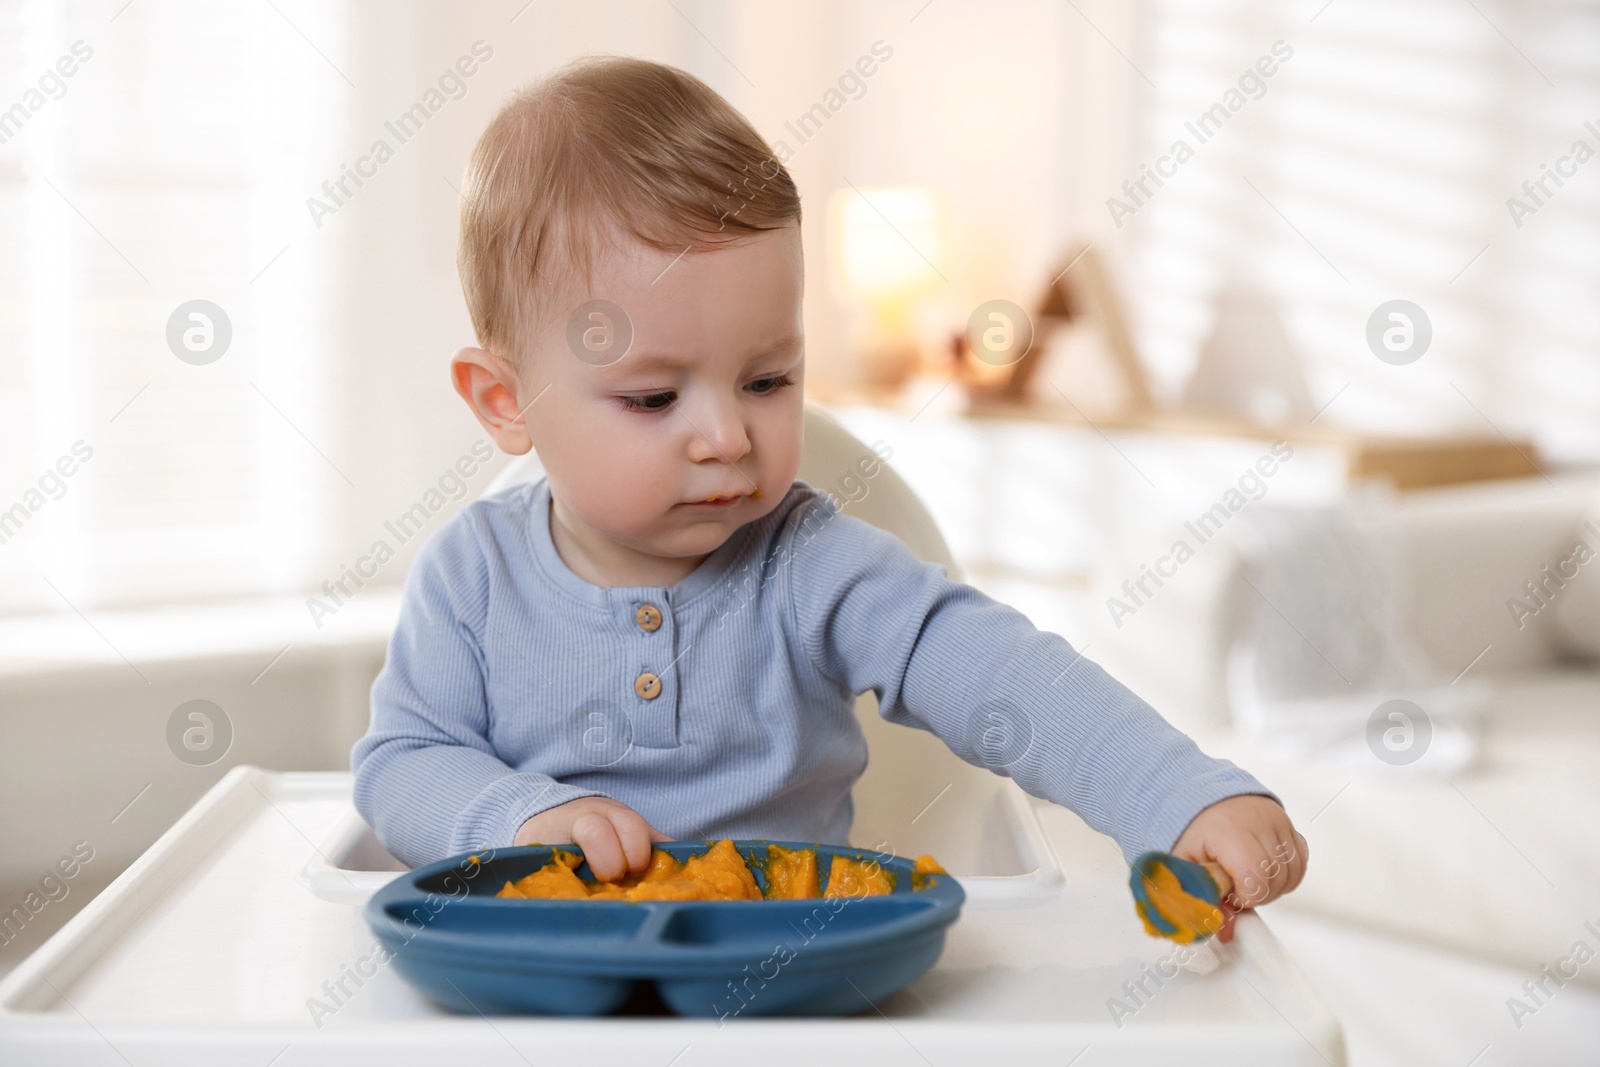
(615, 839)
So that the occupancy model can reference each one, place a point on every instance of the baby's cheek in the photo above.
(633, 507)
(621, 502)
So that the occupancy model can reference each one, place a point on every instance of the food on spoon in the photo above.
(1178, 898)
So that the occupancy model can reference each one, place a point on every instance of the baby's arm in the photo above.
(427, 778)
(946, 658)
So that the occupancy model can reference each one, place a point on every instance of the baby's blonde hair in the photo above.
(605, 147)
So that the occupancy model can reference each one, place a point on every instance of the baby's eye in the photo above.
(772, 384)
(653, 402)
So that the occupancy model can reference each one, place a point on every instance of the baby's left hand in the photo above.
(1252, 839)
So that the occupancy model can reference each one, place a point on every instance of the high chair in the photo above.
(238, 937)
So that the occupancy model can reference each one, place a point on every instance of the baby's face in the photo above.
(706, 402)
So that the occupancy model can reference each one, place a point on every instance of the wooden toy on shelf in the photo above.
(1080, 293)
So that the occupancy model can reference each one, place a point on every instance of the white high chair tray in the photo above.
(215, 946)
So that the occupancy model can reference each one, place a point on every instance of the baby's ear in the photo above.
(489, 386)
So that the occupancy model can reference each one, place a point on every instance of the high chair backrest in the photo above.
(831, 459)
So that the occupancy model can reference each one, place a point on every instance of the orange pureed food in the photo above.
(720, 874)
(925, 866)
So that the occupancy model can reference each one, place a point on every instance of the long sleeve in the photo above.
(426, 776)
(943, 657)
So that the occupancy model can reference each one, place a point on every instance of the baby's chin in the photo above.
(686, 531)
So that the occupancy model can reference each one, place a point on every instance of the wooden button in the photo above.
(649, 618)
(647, 685)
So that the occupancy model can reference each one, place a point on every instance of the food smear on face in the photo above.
(721, 873)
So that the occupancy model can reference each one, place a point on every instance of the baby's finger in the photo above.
(634, 834)
(594, 833)
(1244, 887)
(1249, 863)
(1282, 864)
(1298, 862)
(1274, 872)
(1291, 848)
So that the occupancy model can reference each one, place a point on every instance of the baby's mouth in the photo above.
(726, 498)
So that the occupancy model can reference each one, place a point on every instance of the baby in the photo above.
(664, 637)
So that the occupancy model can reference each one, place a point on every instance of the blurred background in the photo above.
(1309, 289)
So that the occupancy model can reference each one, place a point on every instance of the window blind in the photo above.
(1377, 163)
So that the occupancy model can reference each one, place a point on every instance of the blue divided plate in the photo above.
(449, 935)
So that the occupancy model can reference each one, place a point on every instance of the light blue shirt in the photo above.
(513, 685)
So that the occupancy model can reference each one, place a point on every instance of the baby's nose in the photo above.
(720, 435)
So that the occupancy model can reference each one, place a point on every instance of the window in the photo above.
(171, 164)
(1377, 163)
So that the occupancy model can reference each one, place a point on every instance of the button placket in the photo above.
(655, 705)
